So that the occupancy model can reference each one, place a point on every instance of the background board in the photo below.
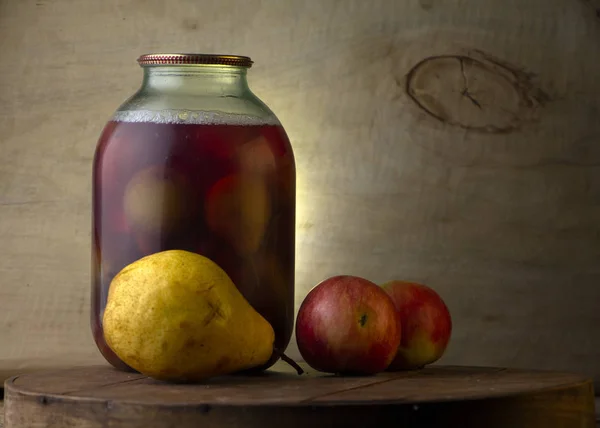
(454, 142)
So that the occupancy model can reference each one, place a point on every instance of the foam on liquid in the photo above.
(192, 117)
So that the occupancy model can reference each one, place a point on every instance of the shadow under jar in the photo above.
(195, 161)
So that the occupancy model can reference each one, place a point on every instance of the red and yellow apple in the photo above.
(348, 325)
(426, 324)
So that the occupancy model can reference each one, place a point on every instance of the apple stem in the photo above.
(288, 360)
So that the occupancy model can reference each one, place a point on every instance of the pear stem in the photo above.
(288, 360)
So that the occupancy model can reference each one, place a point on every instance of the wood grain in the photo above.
(504, 225)
(495, 397)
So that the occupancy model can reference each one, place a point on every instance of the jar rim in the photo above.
(194, 59)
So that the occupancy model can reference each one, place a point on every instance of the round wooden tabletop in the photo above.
(448, 396)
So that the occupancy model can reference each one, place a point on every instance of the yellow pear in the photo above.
(177, 316)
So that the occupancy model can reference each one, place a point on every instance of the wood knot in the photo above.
(475, 92)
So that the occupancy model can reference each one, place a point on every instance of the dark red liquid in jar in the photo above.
(226, 191)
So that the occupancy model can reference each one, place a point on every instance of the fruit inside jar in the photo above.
(221, 188)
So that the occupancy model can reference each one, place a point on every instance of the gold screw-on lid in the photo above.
(188, 58)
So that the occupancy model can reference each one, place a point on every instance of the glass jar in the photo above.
(195, 161)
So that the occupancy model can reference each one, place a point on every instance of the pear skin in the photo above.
(177, 316)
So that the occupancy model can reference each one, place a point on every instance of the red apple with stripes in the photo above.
(348, 325)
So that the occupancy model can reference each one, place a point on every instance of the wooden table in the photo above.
(446, 396)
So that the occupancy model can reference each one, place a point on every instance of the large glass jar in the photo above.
(195, 161)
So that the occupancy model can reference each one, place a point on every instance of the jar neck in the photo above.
(196, 80)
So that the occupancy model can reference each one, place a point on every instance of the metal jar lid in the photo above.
(191, 59)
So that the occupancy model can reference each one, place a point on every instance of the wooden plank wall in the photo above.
(455, 142)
